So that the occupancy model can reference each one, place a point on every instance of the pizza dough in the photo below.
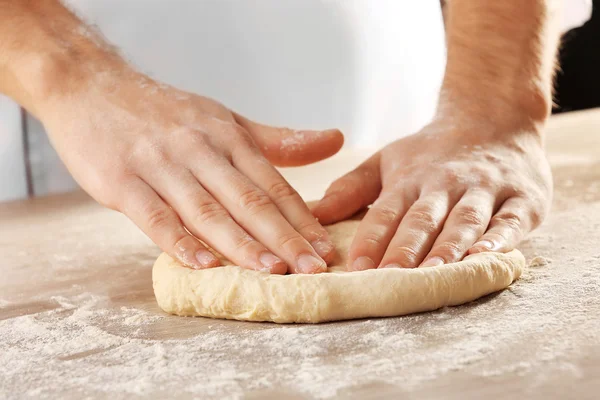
(232, 292)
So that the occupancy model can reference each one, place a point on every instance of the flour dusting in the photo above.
(87, 326)
(297, 140)
(83, 346)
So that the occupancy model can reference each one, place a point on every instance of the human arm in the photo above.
(181, 166)
(476, 178)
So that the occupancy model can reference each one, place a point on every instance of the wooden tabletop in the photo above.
(78, 316)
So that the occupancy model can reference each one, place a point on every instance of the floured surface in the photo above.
(232, 292)
(78, 318)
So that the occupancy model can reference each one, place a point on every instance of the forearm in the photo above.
(501, 61)
(46, 51)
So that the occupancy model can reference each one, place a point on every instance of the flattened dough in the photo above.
(234, 293)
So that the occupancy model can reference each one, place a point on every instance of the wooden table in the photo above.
(78, 316)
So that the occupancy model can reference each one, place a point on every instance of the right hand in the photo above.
(183, 167)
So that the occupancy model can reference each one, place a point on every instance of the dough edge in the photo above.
(231, 292)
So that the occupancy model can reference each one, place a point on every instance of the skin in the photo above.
(476, 178)
(180, 166)
(184, 167)
(440, 194)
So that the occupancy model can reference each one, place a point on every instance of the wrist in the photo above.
(497, 109)
(55, 60)
(500, 62)
(55, 77)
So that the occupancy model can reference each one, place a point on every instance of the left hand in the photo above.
(442, 193)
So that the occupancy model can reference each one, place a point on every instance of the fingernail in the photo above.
(308, 264)
(362, 263)
(486, 244)
(322, 247)
(433, 262)
(392, 266)
(270, 261)
(206, 259)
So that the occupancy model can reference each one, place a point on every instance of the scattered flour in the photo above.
(539, 262)
(94, 339)
(298, 140)
(83, 347)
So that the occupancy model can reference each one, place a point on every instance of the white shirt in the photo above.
(369, 67)
(353, 64)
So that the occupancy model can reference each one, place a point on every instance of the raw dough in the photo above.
(235, 293)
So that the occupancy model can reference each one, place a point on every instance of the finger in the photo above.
(287, 200)
(418, 231)
(376, 230)
(208, 220)
(467, 221)
(350, 193)
(256, 213)
(508, 226)
(157, 220)
(286, 147)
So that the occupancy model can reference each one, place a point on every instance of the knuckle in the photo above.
(208, 212)
(498, 236)
(486, 182)
(405, 256)
(191, 142)
(470, 215)
(451, 175)
(244, 244)
(241, 136)
(537, 210)
(385, 215)
(254, 201)
(199, 139)
(511, 219)
(449, 251)
(291, 239)
(187, 134)
(154, 152)
(311, 227)
(158, 218)
(372, 239)
(483, 171)
(537, 216)
(422, 219)
(282, 191)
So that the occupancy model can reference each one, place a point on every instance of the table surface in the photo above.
(78, 316)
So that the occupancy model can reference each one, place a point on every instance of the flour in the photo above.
(71, 347)
(539, 262)
(99, 333)
(298, 140)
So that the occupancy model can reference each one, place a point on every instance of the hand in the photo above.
(183, 167)
(447, 191)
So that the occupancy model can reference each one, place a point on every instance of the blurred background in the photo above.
(302, 64)
(578, 79)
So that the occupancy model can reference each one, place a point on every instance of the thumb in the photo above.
(286, 147)
(350, 193)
